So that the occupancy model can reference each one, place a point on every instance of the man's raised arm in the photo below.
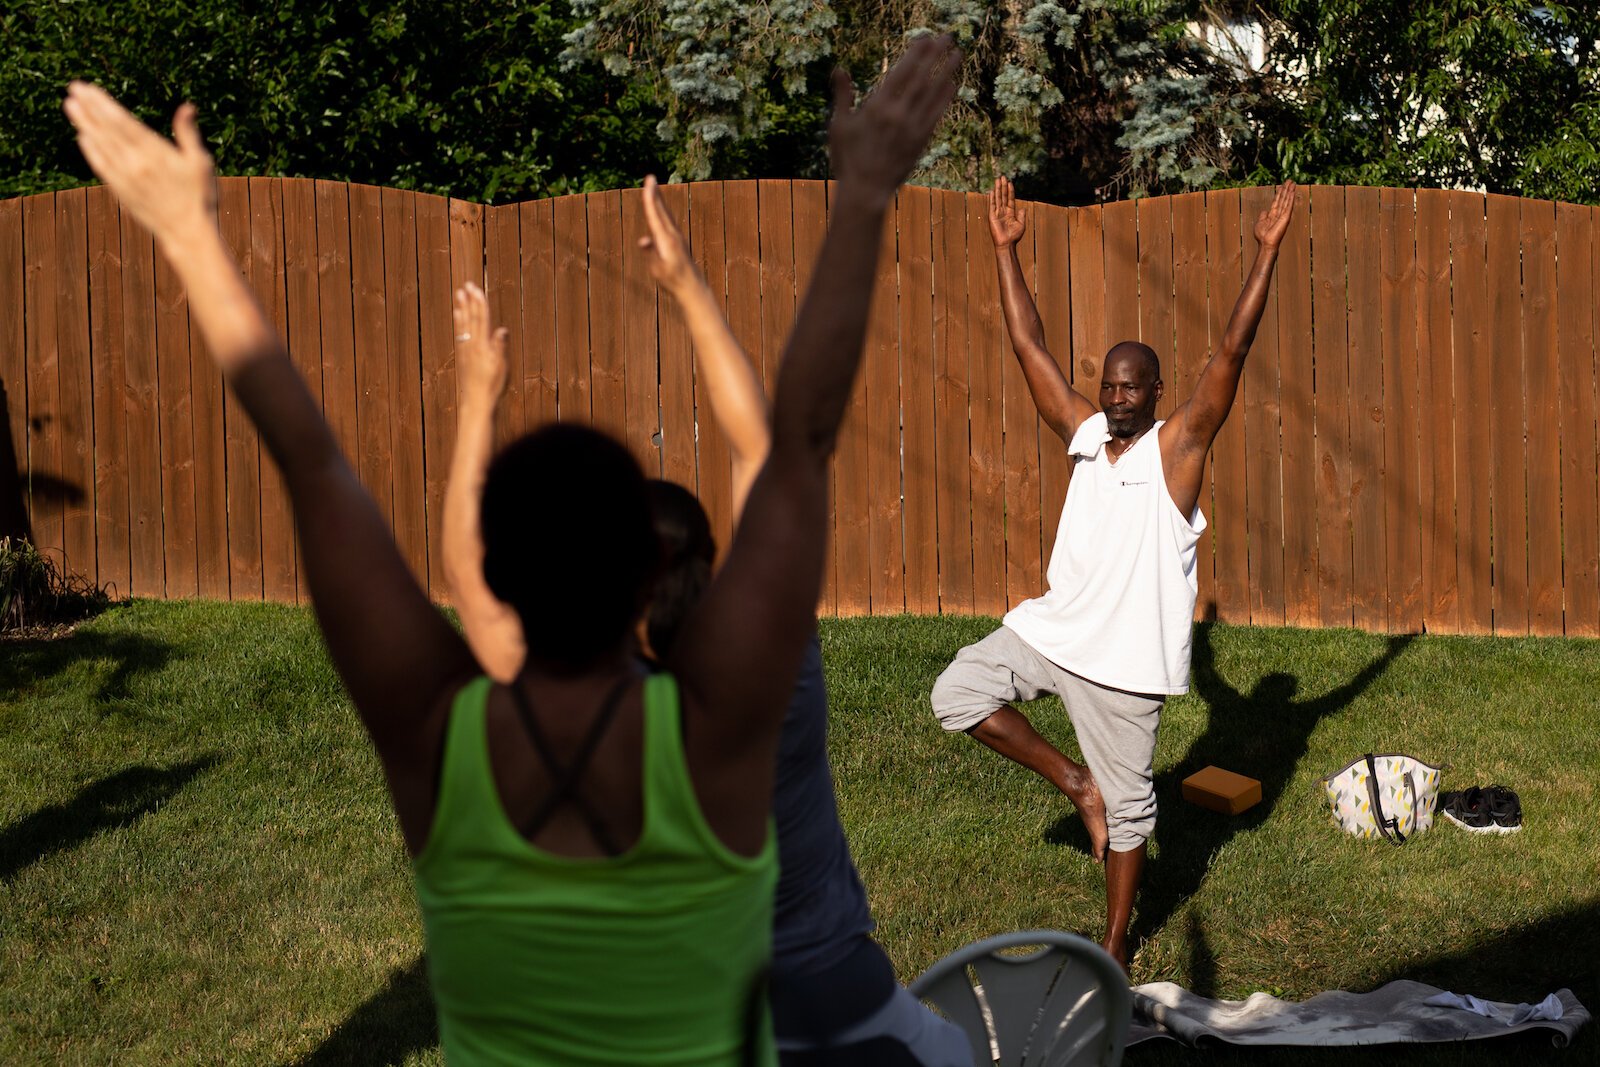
(1195, 425)
(1062, 407)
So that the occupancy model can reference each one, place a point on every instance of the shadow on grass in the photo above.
(28, 661)
(1262, 734)
(394, 1022)
(116, 801)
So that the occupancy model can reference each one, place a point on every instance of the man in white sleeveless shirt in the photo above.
(1111, 637)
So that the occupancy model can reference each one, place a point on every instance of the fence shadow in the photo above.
(1262, 734)
(112, 803)
(393, 1023)
(28, 661)
(13, 506)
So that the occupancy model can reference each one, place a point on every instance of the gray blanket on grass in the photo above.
(1392, 1014)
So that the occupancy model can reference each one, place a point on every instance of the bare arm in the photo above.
(741, 647)
(1062, 407)
(737, 402)
(397, 655)
(1196, 423)
(493, 630)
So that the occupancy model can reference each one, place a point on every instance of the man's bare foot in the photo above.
(1081, 789)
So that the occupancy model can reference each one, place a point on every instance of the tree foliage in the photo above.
(1073, 100)
(463, 97)
(1502, 95)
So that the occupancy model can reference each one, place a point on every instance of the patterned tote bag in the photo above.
(1384, 794)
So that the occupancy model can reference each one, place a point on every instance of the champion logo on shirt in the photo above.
(1136, 483)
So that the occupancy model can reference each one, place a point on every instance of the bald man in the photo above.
(1111, 637)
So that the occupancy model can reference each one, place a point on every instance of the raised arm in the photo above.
(493, 630)
(1195, 424)
(397, 655)
(740, 649)
(1062, 407)
(738, 405)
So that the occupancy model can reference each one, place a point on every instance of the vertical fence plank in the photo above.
(403, 349)
(370, 315)
(881, 376)
(1473, 374)
(1156, 326)
(919, 397)
(1053, 267)
(303, 305)
(1330, 351)
(1229, 514)
(142, 411)
(1120, 224)
(1091, 333)
(1507, 434)
(776, 231)
(1402, 471)
(110, 433)
(713, 460)
(951, 363)
(241, 448)
(75, 384)
(640, 354)
(436, 351)
(538, 257)
(1575, 347)
(14, 512)
(1020, 448)
(175, 393)
(1368, 411)
(572, 309)
(852, 491)
(1441, 595)
(1297, 442)
(742, 271)
(502, 269)
(676, 370)
(212, 567)
(279, 569)
(1537, 235)
(46, 488)
(1191, 324)
(1264, 452)
(986, 397)
(608, 400)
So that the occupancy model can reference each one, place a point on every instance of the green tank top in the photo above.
(656, 956)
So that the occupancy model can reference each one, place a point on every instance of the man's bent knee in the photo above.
(958, 706)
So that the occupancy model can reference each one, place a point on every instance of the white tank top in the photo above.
(1120, 610)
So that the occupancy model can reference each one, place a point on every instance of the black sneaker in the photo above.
(1495, 810)
(1505, 809)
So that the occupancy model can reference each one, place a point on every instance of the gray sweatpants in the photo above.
(1116, 730)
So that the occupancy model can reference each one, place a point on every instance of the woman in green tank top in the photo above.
(592, 849)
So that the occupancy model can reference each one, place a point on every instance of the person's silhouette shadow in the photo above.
(1262, 734)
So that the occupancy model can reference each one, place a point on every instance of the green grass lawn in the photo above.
(198, 862)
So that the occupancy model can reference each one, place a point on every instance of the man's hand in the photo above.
(481, 348)
(873, 147)
(1273, 223)
(1006, 219)
(169, 186)
(664, 248)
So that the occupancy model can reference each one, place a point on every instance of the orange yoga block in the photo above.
(1222, 790)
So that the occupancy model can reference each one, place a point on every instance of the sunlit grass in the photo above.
(198, 862)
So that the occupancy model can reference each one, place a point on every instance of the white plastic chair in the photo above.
(1067, 1003)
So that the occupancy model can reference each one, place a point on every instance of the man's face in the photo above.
(1129, 390)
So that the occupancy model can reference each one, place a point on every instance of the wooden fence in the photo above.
(1414, 445)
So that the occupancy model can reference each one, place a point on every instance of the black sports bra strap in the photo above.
(564, 780)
